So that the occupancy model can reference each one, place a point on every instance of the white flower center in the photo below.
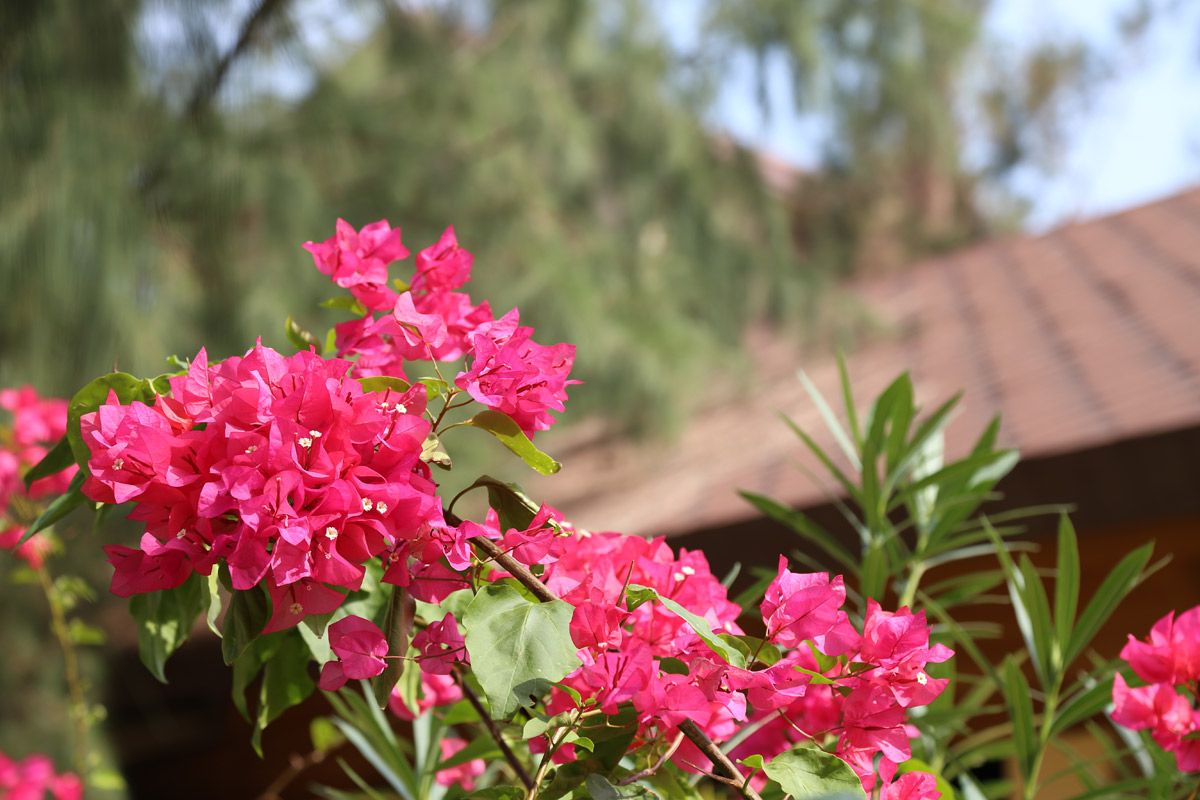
(118, 463)
(305, 441)
(331, 533)
(922, 678)
(367, 504)
(315, 434)
(296, 609)
(381, 507)
(182, 533)
(688, 570)
(251, 449)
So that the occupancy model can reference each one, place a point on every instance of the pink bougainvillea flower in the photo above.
(515, 375)
(436, 691)
(34, 777)
(807, 606)
(464, 774)
(1171, 654)
(361, 647)
(441, 645)
(910, 786)
(358, 260)
(443, 266)
(33, 551)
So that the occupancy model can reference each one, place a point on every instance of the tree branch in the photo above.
(509, 755)
(206, 89)
(699, 738)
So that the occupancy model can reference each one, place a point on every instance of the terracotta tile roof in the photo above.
(1084, 336)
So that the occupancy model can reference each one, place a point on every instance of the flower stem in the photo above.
(78, 706)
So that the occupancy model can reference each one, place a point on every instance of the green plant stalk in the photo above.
(1051, 706)
(78, 707)
(559, 736)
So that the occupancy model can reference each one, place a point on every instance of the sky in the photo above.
(1139, 139)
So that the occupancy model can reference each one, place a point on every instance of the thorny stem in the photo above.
(78, 707)
(488, 723)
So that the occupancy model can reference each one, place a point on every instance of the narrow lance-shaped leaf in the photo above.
(62, 505)
(805, 527)
(1020, 713)
(1066, 582)
(849, 448)
(1112, 591)
(59, 458)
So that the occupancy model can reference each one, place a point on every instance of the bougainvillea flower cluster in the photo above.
(37, 423)
(1169, 661)
(34, 778)
(282, 468)
(507, 372)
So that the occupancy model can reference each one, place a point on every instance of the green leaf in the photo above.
(164, 621)
(247, 667)
(1020, 712)
(849, 447)
(434, 387)
(848, 400)
(397, 628)
(638, 594)
(1066, 584)
(210, 600)
(1120, 582)
(301, 339)
(59, 458)
(81, 633)
(851, 489)
(432, 452)
(384, 383)
(511, 436)
(805, 772)
(611, 735)
(1048, 653)
(1083, 705)
(249, 611)
(350, 304)
(512, 505)
(62, 505)
(517, 648)
(600, 789)
(498, 793)
(285, 683)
